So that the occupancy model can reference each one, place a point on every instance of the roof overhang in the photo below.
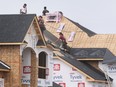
(90, 59)
(37, 28)
(109, 58)
(12, 43)
(93, 54)
(73, 66)
(96, 81)
(4, 67)
(66, 60)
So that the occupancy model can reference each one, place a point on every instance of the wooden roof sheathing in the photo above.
(84, 38)
(81, 38)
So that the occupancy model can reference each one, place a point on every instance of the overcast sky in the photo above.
(96, 15)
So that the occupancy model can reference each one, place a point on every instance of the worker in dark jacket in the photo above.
(45, 11)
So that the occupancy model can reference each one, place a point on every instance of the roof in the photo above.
(50, 39)
(4, 66)
(92, 54)
(13, 28)
(84, 67)
(109, 58)
(81, 38)
(83, 46)
(89, 32)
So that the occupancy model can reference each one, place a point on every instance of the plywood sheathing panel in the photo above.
(34, 70)
(11, 56)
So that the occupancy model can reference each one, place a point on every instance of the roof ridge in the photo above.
(89, 32)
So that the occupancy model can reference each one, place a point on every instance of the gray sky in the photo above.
(96, 15)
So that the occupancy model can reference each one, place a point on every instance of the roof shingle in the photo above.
(14, 27)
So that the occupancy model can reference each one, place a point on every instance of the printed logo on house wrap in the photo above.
(112, 68)
(26, 69)
(56, 67)
(75, 77)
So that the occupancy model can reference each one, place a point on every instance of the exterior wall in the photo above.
(95, 84)
(24, 85)
(29, 68)
(34, 70)
(2, 75)
(11, 56)
(31, 79)
(31, 38)
(63, 74)
(110, 70)
(26, 66)
(49, 64)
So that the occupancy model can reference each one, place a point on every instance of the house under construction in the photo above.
(30, 58)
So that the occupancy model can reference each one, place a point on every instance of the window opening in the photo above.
(60, 28)
(42, 65)
(71, 37)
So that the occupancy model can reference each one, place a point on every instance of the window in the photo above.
(42, 65)
(51, 17)
(71, 37)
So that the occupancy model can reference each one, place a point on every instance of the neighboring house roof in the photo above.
(4, 66)
(92, 54)
(89, 32)
(90, 71)
(13, 28)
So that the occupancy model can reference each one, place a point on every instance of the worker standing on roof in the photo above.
(45, 11)
(62, 38)
(41, 23)
(23, 10)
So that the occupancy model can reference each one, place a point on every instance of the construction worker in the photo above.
(63, 45)
(23, 10)
(45, 11)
